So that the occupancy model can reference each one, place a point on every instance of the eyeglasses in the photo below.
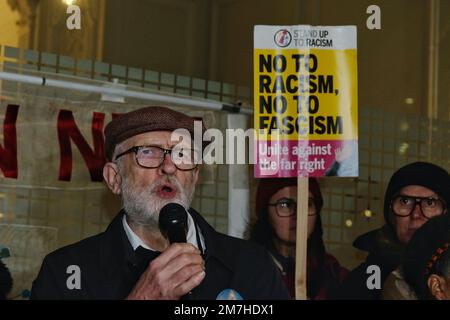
(403, 206)
(151, 157)
(288, 207)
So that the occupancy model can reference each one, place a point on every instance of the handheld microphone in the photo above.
(173, 225)
(173, 222)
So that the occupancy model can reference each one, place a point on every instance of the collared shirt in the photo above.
(191, 236)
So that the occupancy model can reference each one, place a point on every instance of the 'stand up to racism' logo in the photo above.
(282, 38)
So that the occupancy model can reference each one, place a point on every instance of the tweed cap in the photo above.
(154, 118)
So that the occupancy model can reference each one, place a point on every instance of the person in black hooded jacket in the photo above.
(5, 281)
(415, 193)
(427, 260)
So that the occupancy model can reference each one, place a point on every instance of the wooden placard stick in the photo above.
(302, 238)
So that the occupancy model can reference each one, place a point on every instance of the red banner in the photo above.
(48, 142)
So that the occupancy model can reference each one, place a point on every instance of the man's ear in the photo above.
(437, 286)
(112, 177)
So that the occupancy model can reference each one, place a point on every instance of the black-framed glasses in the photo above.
(286, 207)
(152, 157)
(403, 205)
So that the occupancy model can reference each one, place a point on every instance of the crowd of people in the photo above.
(134, 259)
(416, 196)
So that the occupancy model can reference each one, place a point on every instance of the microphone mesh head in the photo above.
(173, 222)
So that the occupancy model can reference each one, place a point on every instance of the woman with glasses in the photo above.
(275, 229)
(416, 193)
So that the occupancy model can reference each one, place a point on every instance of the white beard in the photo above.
(143, 205)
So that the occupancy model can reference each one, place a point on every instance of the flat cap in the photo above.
(154, 118)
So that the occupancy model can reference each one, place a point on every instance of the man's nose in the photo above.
(167, 167)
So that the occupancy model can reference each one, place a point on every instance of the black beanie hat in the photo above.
(422, 174)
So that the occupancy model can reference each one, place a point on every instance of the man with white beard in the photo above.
(149, 168)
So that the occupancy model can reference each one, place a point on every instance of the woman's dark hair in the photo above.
(428, 253)
(263, 233)
(5, 281)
